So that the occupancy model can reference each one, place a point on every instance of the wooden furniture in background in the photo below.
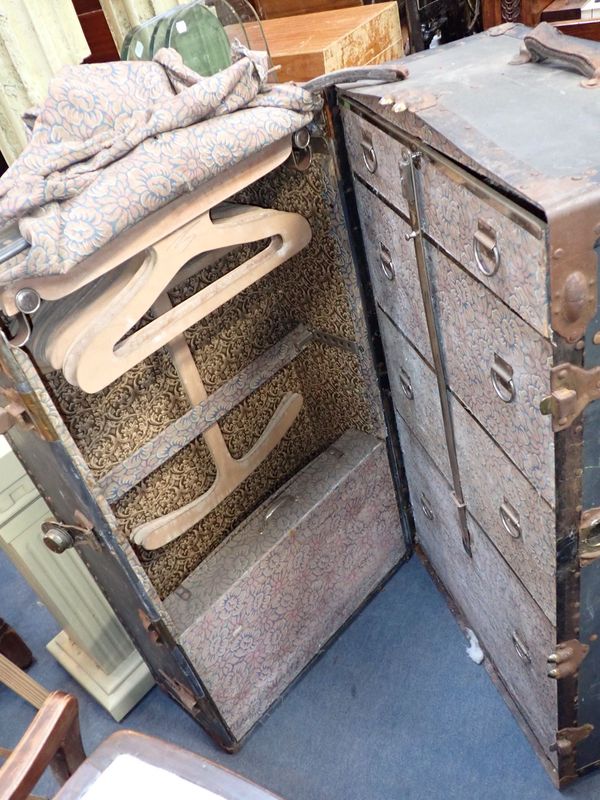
(563, 14)
(497, 12)
(269, 9)
(312, 44)
(566, 15)
(96, 31)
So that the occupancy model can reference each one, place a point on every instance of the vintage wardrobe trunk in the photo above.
(447, 303)
(230, 613)
(477, 189)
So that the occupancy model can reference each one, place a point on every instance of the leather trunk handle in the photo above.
(545, 42)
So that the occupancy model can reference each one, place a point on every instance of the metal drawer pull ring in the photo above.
(425, 507)
(510, 520)
(522, 651)
(387, 265)
(369, 155)
(484, 238)
(406, 383)
(502, 379)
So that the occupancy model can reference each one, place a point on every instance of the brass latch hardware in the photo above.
(568, 738)
(567, 658)
(13, 413)
(572, 389)
(21, 410)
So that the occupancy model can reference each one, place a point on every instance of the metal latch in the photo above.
(572, 389)
(23, 411)
(59, 537)
(13, 413)
(567, 658)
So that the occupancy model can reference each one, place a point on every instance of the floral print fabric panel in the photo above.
(115, 142)
(265, 602)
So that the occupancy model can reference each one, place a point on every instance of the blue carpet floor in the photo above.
(395, 710)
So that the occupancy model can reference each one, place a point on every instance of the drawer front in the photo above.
(516, 518)
(374, 156)
(507, 255)
(516, 634)
(498, 366)
(393, 267)
(415, 393)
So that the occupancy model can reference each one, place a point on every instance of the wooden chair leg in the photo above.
(53, 739)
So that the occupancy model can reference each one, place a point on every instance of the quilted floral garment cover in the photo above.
(115, 142)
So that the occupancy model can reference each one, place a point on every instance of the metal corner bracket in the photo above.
(567, 658)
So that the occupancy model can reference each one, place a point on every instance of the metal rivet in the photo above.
(559, 252)
(27, 300)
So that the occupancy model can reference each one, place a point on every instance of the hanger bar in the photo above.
(202, 416)
(155, 226)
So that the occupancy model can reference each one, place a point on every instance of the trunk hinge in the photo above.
(568, 738)
(567, 658)
(572, 388)
(156, 628)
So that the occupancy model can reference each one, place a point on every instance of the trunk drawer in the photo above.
(488, 236)
(393, 267)
(498, 366)
(518, 520)
(515, 633)
(375, 157)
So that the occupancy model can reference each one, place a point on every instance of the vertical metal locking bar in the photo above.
(408, 166)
